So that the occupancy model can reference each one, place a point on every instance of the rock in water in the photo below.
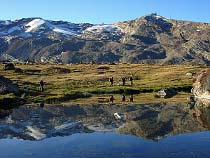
(166, 93)
(6, 86)
(201, 85)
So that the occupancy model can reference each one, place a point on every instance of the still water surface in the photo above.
(153, 130)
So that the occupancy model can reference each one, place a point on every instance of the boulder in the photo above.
(9, 66)
(18, 70)
(201, 85)
(6, 86)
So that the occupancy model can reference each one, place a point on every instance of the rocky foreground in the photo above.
(6, 86)
(201, 85)
(9, 94)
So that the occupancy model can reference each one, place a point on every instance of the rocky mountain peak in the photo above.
(148, 39)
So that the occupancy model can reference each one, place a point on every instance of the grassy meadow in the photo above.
(70, 83)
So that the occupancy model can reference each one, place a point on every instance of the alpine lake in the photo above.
(166, 129)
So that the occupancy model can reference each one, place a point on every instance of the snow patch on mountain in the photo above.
(66, 125)
(37, 23)
(158, 17)
(8, 57)
(34, 24)
(102, 28)
(8, 39)
(63, 31)
(35, 132)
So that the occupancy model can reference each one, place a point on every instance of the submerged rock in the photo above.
(166, 93)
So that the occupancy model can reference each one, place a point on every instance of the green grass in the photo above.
(68, 82)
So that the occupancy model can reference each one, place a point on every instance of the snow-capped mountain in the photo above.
(36, 27)
(148, 39)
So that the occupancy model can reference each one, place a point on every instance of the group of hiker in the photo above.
(111, 80)
(123, 79)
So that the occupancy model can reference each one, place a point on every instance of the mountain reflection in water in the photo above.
(151, 121)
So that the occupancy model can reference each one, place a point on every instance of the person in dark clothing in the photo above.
(123, 81)
(131, 80)
(111, 80)
(41, 85)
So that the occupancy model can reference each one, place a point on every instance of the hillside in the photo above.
(148, 39)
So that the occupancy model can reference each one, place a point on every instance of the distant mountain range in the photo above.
(148, 39)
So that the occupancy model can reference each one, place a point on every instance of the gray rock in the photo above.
(6, 86)
(201, 85)
(9, 66)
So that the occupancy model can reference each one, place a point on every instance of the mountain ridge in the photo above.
(148, 39)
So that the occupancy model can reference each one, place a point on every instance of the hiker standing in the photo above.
(131, 80)
(111, 80)
(41, 85)
(123, 81)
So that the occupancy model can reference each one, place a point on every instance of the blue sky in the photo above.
(104, 11)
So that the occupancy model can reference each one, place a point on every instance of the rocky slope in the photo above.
(148, 39)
